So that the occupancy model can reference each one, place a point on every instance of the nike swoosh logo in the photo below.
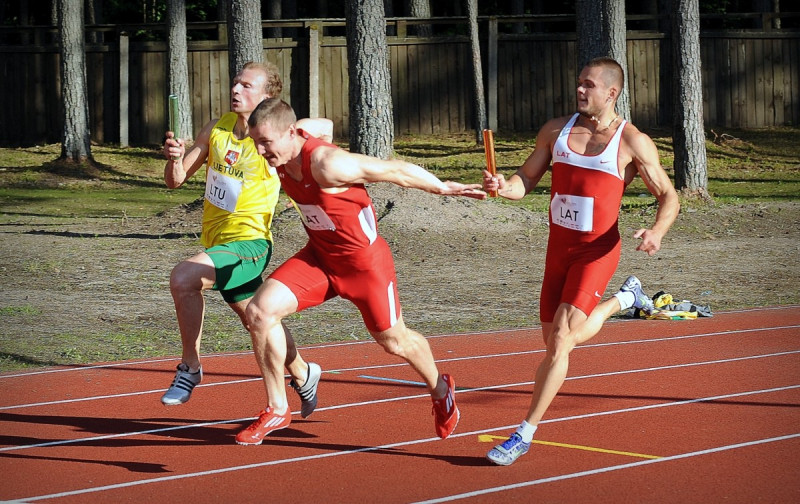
(596, 294)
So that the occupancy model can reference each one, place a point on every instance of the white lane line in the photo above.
(391, 446)
(417, 396)
(365, 341)
(401, 364)
(322, 346)
(601, 470)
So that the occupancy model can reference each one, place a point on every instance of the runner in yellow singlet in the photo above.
(240, 198)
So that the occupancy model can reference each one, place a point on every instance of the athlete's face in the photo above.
(276, 145)
(248, 90)
(593, 93)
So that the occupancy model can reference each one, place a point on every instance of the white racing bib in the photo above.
(572, 212)
(223, 191)
(315, 218)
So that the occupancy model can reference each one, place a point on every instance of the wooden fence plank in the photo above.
(737, 85)
(463, 105)
(777, 82)
(424, 90)
(709, 81)
(344, 79)
(794, 83)
(727, 79)
(759, 81)
(653, 83)
(749, 80)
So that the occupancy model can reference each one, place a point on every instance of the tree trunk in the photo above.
(421, 9)
(75, 145)
(477, 72)
(600, 27)
(177, 65)
(245, 40)
(688, 137)
(371, 119)
(665, 65)
(274, 12)
(589, 27)
(617, 49)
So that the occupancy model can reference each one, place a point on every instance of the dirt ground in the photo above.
(83, 290)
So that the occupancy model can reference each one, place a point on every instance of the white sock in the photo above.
(625, 298)
(526, 430)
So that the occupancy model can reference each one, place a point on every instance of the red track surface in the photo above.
(717, 400)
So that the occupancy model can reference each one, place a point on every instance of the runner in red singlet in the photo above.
(594, 154)
(344, 257)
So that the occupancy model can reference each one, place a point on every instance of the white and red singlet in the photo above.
(344, 255)
(584, 245)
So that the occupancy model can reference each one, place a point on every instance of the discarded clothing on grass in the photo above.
(666, 308)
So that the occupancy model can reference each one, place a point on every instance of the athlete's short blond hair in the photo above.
(273, 85)
(613, 75)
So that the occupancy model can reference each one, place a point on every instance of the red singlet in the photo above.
(344, 255)
(584, 245)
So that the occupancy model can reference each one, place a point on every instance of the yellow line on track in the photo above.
(487, 438)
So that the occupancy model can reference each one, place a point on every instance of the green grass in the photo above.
(130, 184)
(752, 165)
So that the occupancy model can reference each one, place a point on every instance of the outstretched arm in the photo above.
(337, 168)
(532, 170)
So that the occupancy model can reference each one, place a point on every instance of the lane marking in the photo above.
(371, 341)
(489, 438)
(393, 380)
(391, 446)
(562, 477)
(379, 401)
(339, 371)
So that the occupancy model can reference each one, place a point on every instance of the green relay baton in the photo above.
(174, 113)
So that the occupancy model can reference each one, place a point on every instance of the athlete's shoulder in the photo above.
(634, 137)
(227, 122)
(555, 125)
(550, 131)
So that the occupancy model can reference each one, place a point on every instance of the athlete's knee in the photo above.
(181, 279)
(396, 341)
(561, 343)
(259, 316)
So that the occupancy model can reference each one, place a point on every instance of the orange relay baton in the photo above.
(488, 148)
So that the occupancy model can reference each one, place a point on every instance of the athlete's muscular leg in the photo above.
(570, 327)
(273, 301)
(412, 347)
(295, 364)
(187, 282)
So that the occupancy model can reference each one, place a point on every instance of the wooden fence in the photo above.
(750, 80)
